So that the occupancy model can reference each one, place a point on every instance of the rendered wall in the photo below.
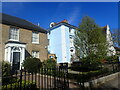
(59, 43)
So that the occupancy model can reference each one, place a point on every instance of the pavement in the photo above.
(113, 84)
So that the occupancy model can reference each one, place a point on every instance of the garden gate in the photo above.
(47, 78)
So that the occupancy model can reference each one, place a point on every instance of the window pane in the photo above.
(13, 33)
(35, 37)
(35, 54)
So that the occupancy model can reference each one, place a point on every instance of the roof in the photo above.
(15, 21)
(64, 22)
(117, 48)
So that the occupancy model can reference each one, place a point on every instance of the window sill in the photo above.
(13, 40)
(35, 43)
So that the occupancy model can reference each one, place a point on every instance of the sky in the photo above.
(46, 12)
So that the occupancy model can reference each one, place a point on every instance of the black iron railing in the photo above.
(46, 78)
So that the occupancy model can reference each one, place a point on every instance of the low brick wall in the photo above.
(102, 80)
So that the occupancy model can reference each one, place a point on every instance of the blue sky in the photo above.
(46, 12)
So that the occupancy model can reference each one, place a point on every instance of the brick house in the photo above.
(20, 39)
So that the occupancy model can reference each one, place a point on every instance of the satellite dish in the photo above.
(52, 24)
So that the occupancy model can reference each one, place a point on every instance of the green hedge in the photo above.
(16, 86)
(86, 76)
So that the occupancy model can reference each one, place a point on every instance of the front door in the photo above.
(16, 61)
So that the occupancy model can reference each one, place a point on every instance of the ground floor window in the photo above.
(35, 54)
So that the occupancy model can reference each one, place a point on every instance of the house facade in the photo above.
(20, 39)
(61, 41)
(110, 46)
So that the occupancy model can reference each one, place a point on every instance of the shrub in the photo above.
(32, 64)
(93, 61)
(6, 72)
(111, 59)
(83, 66)
(89, 63)
(49, 63)
(86, 76)
(25, 85)
(6, 68)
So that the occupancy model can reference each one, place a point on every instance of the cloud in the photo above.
(74, 14)
(66, 11)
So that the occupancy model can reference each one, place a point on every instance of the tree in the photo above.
(32, 64)
(89, 41)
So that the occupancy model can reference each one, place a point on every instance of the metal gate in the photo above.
(47, 78)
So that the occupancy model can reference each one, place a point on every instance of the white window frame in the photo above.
(34, 54)
(11, 33)
(33, 37)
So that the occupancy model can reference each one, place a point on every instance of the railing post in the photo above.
(11, 78)
(119, 64)
(67, 76)
(39, 78)
(20, 79)
(25, 78)
(54, 77)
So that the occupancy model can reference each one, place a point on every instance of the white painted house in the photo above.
(61, 41)
(111, 49)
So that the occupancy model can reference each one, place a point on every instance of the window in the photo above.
(48, 41)
(71, 49)
(35, 54)
(70, 36)
(70, 30)
(14, 34)
(51, 56)
(35, 37)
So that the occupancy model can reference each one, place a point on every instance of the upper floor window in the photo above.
(35, 37)
(14, 34)
(70, 30)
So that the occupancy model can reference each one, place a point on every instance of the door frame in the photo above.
(13, 51)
